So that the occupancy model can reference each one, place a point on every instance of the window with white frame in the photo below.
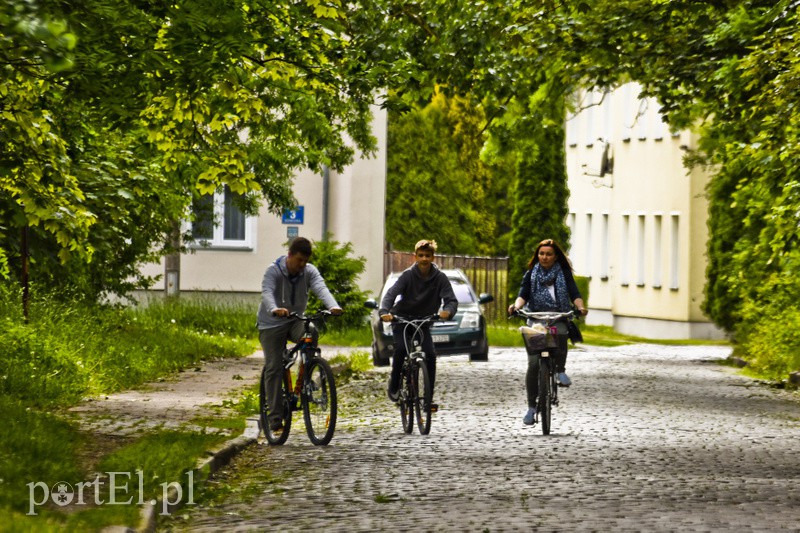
(658, 128)
(571, 130)
(640, 252)
(571, 221)
(605, 243)
(657, 251)
(624, 255)
(587, 261)
(629, 106)
(674, 249)
(642, 119)
(219, 223)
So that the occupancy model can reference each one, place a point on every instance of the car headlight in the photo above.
(471, 320)
(387, 328)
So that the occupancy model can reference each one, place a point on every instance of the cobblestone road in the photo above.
(648, 438)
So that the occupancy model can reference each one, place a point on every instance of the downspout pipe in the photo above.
(326, 181)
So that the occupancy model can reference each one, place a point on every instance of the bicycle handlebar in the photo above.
(415, 321)
(548, 316)
(319, 314)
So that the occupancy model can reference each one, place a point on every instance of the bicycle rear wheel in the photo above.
(407, 395)
(422, 401)
(319, 401)
(544, 393)
(275, 437)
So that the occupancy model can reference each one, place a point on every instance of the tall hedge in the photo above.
(540, 192)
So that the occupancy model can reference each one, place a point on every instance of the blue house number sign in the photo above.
(293, 216)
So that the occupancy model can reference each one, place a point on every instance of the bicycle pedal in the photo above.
(434, 408)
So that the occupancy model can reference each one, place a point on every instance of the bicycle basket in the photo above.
(538, 338)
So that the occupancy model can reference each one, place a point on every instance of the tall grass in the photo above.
(71, 350)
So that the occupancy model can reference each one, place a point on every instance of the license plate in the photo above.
(440, 338)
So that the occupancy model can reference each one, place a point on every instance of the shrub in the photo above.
(768, 333)
(340, 272)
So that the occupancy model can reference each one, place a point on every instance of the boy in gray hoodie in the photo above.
(284, 290)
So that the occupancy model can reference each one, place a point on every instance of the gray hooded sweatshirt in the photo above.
(278, 289)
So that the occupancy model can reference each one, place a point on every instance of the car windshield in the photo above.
(461, 289)
(463, 294)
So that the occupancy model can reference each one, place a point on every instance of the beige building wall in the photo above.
(638, 228)
(355, 214)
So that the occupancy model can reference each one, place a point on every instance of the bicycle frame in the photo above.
(314, 390)
(413, 368)
(548, 388)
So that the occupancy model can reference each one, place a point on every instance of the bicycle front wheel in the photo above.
(544, 393)
(407, 394)
(319, 401)
(423, 398)
(275, 437)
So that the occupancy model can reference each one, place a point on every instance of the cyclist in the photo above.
(423, 289)
(548, 285)
(284, 290)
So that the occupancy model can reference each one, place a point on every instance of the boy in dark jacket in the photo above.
(422, 289)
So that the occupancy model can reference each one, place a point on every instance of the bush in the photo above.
(72, 349)
(340, 272)
(768, 333)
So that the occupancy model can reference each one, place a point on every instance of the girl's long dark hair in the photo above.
(561, 257)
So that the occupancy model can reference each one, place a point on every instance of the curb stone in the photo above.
(148, 516)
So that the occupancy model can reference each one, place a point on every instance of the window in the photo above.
(629, 111)
(219, 223)
(674, 246)
(604, 243)
(587, 261)
(624, 256)
(640, 259)
(658, 128)
(590, 112)
(642, 120)
(657, 251)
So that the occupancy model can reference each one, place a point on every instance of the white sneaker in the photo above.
(530, 417)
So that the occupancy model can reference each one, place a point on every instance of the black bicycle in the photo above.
(314, 389)
(541, 337)
(416, 389)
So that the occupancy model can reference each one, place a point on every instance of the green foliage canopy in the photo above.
(114, 115)
(437, 185)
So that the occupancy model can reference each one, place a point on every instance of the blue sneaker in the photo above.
(563, 379)
(530, 417)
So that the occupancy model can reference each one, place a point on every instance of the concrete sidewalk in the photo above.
(180, 402)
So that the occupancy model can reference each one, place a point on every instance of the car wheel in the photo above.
(483, 355)
(377, 360)
(480, 356)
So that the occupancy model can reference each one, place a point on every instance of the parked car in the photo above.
(465, 333)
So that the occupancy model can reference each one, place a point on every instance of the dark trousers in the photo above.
(558, 356)
(273, 343)
(400, 353)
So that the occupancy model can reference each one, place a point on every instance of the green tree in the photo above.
(340, 271)
(540, 192)
(437, 184)
(116, 114)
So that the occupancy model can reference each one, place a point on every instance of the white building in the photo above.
(349, 205)
(638, 217)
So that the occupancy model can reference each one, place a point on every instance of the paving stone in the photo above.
(648, 438)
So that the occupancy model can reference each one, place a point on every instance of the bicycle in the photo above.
(314, 389)
(540, 339)
(412, 403)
